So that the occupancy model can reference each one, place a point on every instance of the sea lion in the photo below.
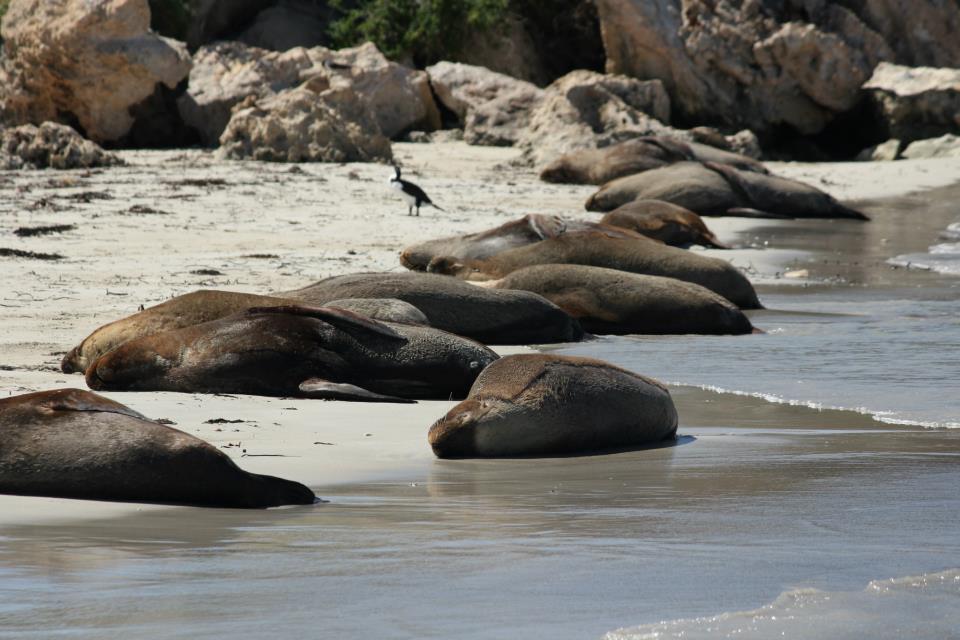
(529, 229)
(607, 301)
(714, 189)
(297, 351)
(636, 255)
(71, 443)
(206, 305)
(492, 317)
(663, 221)
(540, 404)
(596, 166)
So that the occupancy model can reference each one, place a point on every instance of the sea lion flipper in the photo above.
(321, 389)
(340, 318)
(749, 212)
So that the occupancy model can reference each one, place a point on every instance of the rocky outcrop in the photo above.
(288, 24)
(86, 62)
(493, 108)
(920, 32)
(585, 110)
(227, 73)
(946, 146)
(52, 145)
(914, 103)
(885, 151)
(211, 20)
(315, 122)
(745, 63)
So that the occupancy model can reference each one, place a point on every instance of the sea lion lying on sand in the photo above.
(297, 351)
(206, 305)
(70, 443)
(636, 255)
(713, 189)
(668, 223)
(617, 302)
(492, 317)
(527, 230)
(596, 166)
(529, 405)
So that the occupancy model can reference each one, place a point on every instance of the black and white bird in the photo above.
(410, 192)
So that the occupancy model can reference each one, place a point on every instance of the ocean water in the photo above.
(943, 257)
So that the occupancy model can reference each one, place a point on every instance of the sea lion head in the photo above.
(455, 434)
(558, 171)
(129, 366)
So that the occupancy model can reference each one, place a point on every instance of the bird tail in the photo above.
(437, 208)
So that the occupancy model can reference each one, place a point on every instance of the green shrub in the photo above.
(421, 31)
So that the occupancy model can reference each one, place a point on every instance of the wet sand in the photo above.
(755, 499)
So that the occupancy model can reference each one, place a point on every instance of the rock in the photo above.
(212, 20)
(585, 110)
(83, 61)
(507, 49)
(52, 145)
(745, 63)
(288, 24)
(914, 103)
(494, 108)
(227, 73)
(920, 32)
(312, 123)
(946, 146)
(889, 150)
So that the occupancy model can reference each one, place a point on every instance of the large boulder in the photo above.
(745, 62)
(288, 24)
(946, 146)
(493, 108)
(312, 123)
(227, 73)
(85, 62)
(920, 32)
(914, 103)
(52, 145)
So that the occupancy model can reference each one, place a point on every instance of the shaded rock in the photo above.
(914, 103)
(507, 49)
(227, 73)
(71, 443)
(288, 24)
(312, 123)
(84, 62)
(744, 63)
(492, 317)
(889, 150)
(528, 405)
(607, 301)
(920, 32)
(52, 145)
(212, 20)
(492, 107)
(946, 146)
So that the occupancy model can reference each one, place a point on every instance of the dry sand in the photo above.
(172, 222)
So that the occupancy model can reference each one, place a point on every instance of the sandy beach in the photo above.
(758, 498)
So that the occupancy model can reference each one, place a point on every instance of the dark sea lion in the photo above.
(617, 302)
(596, 166)
(529, 229)
(70, 443)
(636, 255)
(663, 221)
(382, 309)
(538, 404)
(492, 317)
(714, 189)
(296, 351)
(182, 311)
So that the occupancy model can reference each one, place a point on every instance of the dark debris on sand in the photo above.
(33, 255)
(25, 232)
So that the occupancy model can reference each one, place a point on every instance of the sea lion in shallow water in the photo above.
(492, 317)
(206, 305)
(527, 230)
(71, 443)
(596, 166)
(539, 404)
(714, 189)
(606, 301)
(636, 255)
(297, 351)
(668, 223)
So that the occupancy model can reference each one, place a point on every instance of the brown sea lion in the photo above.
(617, 302)
(636, 255)
(596, 166)
(70, 443)
(713, 189)
(529, 229)
(206, 305)
(492, 317)
(296, 351)
(668, 223)
(528, 405)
